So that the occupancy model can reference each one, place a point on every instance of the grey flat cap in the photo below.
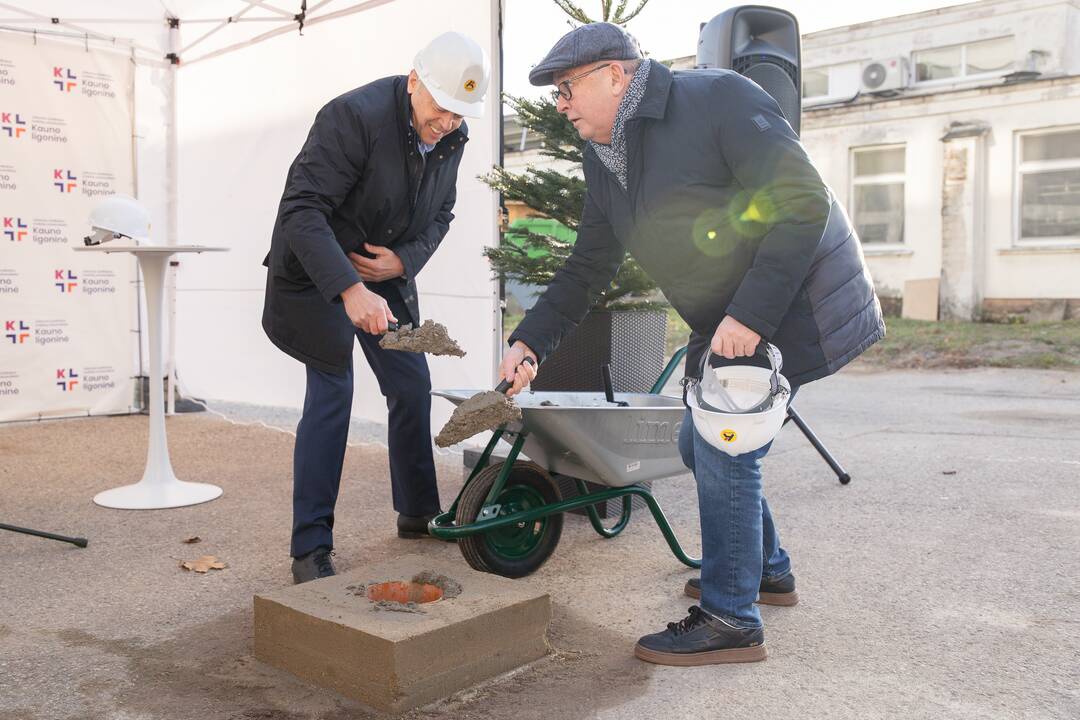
(583, 45)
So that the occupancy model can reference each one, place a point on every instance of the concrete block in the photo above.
(329, 633)
(921, 299)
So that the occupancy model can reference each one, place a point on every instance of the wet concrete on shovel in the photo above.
(483, 411)
(431, 337)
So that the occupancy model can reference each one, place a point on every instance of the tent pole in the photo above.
(171, 221)
(498, 11)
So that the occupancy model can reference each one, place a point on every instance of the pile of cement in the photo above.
(431, 338)
(450, 587)
(483, 411)
(391, 606)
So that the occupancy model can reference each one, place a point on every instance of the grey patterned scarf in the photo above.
(614, 155)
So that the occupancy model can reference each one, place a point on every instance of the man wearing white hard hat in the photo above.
(367, 202)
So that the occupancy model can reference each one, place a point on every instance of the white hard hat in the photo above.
(119, 216)
(454, 69)
(739, 408)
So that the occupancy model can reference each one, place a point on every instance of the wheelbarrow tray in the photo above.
(582, 435)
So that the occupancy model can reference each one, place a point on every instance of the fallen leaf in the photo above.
(203, 564)
(192, 540)
(948, 472)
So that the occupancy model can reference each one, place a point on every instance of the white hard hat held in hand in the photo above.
(119, 216)
(739, 408)
(454, 69)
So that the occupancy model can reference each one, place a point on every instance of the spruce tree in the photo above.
(530, 257)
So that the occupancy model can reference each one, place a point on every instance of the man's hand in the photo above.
(733, 339)
(366, 310)
(385, 265)
(514, 368)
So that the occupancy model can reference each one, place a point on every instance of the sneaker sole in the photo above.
(407, 535)
(710, 657)
(781, 599)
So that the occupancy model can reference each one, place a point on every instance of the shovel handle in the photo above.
(505, 384)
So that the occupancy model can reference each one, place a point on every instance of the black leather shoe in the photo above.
(702, 639)
(771, 592)
(412, 527)
(316, 564)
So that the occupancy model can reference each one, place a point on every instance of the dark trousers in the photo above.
(321, 437)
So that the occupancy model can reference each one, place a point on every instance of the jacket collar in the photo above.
(654, 103)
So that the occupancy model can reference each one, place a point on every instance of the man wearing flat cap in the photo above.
(700, 177)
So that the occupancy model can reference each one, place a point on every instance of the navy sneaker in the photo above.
(770, 592)
(413, 527)
(316, 564)
(702, 639)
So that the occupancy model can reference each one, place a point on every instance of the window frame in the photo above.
(964, 75)
(828, 83)
(1020, 168)
(880, 179)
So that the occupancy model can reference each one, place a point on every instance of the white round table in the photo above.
(159, 487)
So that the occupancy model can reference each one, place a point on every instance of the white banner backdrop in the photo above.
(66, 319)
(243, 118)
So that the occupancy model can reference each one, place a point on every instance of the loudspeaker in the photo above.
(761, 43)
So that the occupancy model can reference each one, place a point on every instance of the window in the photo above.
(877, 193)
(985, 57)
(831, 82)
(1048, 180)
(815, 82)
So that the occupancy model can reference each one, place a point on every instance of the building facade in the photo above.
(953, 139)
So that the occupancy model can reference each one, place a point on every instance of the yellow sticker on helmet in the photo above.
(728, 436)
(470, 85)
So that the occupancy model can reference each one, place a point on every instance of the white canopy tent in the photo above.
(224, 95)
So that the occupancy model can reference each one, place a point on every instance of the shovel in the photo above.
(483, 411)
(431, 338)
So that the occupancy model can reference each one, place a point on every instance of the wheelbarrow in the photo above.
(508, 517)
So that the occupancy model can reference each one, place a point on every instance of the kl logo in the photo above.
(15, 229)
(12, 124)
(66, 283)
(65, 379)
(63, 79)
(64, 180)
(17, 331)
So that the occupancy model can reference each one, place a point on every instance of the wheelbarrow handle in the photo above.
(505, 385)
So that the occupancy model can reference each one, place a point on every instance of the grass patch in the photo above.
(918, 343)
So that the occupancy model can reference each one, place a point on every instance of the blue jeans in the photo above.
(739, 542)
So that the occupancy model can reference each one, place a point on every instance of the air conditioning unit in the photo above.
(884, 75)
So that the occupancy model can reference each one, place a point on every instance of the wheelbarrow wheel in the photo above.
(517, 550)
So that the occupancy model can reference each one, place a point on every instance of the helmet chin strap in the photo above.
(99, 236)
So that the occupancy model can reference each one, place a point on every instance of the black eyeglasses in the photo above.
(563, 89)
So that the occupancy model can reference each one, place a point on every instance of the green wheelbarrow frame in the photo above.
(443, 526)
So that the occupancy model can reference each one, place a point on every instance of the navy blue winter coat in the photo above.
(358, 179)
(725, 211)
